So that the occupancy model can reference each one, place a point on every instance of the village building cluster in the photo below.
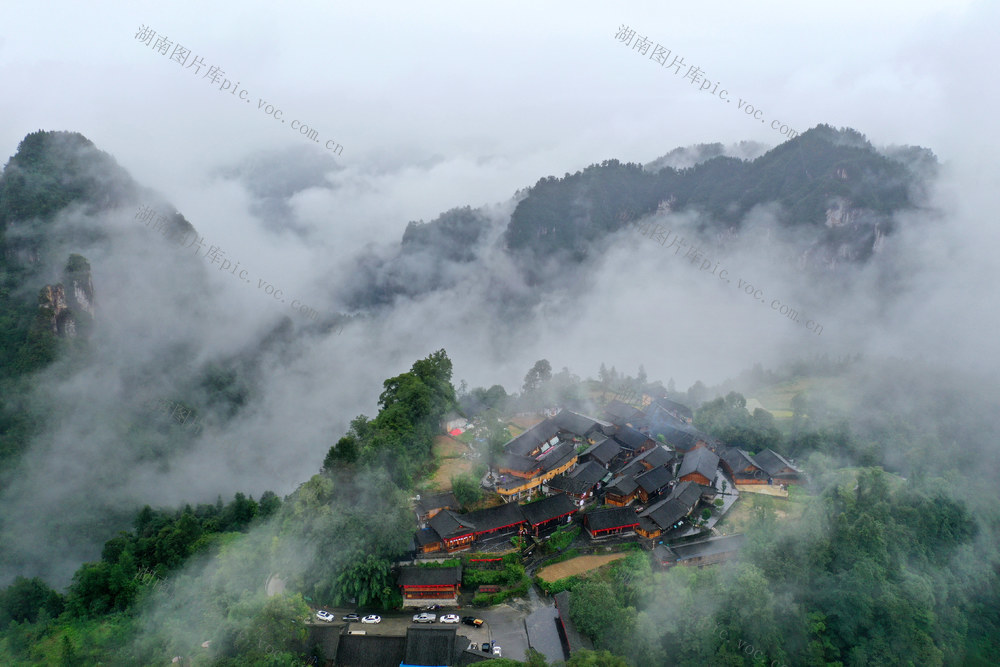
(649, 472)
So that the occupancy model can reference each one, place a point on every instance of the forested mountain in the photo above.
(333, 540)
(910, 557)
(805, 176)
(832, 195)
(873, 568)
(59, 195)
(831, 191)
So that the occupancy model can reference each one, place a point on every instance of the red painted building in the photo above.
(423, 584)
(602, 523)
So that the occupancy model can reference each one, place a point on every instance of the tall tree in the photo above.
(539, 374)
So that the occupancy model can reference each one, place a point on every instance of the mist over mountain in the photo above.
(229, 355)
(827, 199)
(829, 195)
(91, 421)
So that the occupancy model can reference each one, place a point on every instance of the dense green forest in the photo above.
(50, 171)
(890, 561)
(560, 225)
(859, 579)
(333, 540)
(874, 569)
(567, 214)
(886, 564)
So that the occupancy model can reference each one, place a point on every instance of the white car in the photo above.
(496, 651)
(324, 615)
(425, 618)
(372, 619)
(449, 618)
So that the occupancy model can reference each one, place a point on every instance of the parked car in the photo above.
(425, 618)
(496, 652)
(432, 607)
(352, 618)
(372, 619)
(486, 647)
(324, 615)
(449, 618)
(472, 620)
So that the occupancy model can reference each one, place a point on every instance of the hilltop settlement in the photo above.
(639, 474)
(633, 480)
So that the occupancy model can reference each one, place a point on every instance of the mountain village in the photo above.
(638, 478)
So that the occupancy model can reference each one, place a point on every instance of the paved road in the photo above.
(508, 625)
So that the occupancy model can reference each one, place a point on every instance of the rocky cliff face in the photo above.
(68, 307)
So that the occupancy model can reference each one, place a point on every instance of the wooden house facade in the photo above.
(614, 521)
(699, 465)
(422, 584)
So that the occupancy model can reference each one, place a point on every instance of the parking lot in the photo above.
(503, 625)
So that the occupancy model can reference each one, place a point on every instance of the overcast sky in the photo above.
(439, 105)
(495, 94)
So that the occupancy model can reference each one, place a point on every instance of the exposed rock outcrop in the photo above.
(69, 306)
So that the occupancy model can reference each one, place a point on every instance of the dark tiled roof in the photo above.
(603, 451)
(622, 486)
(773, 463)
(666, 513)
(493, 518)
(575, 423)
(430, 576)
(736, 459)
(519, 463)
(654, 480)
(567, 484)
(557, 456)
(590, 473)
(631, 469)
(615, 517)
(438, 501)
(679, 436)
(631, 438)
(674, 407)
(702, 461)
(710, 547)
(664, 554)
(620, 413)
(656, 414)
(547, 509)
(427, 536)
(656, 457)
(430, 646)
(448, 524)
(533, 438)
(688, 493)
(648, 525)
(598, 436)
(371, 651)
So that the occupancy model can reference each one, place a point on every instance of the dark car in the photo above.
(352, 618)
(486, 647)
(472, 620)
(432, 607)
